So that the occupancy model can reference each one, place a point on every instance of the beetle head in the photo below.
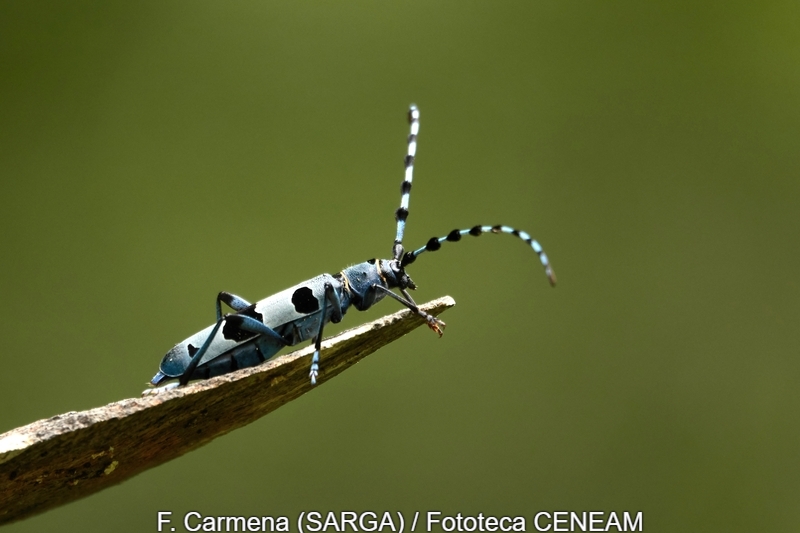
(395, 274)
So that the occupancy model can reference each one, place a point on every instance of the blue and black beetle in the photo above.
(256, 332)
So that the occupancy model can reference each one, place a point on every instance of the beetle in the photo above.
(257, 331)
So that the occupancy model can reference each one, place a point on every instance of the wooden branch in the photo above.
(55, 461)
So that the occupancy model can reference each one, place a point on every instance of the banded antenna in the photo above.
(405, 189)
(454, 236)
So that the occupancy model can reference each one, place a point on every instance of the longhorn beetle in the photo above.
(256, 332)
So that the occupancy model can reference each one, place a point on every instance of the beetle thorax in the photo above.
(360, 281)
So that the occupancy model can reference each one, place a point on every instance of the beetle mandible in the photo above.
(256, 332)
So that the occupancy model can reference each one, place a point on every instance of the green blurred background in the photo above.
(155, 153)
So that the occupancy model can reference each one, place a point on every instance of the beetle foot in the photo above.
(314, 373)
(158, 390)
(436, 325)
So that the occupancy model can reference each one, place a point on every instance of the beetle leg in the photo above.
(237, 303)
(252, 325)
(332, 299)
(159, 390)
(434, 323)
(184, 379)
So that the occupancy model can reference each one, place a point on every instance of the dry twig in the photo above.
(55, 461)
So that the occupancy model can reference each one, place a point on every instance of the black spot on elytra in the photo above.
(252, 313)
(192, 350)
(232, 330)
(304, 301)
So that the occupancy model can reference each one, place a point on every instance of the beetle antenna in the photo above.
(454, 236)
(405, 189)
